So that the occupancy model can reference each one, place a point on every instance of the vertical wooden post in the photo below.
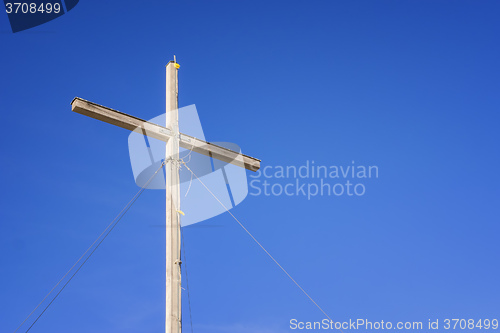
(173, 316)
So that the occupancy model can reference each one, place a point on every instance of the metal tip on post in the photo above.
(174, 62)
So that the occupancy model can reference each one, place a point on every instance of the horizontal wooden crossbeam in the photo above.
(132, 123)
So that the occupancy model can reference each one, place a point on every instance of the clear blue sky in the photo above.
(409, 86)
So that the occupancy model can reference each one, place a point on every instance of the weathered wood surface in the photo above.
(132, 123)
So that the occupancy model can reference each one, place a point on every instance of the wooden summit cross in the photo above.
(174, 139)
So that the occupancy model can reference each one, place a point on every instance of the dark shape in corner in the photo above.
(28, 14)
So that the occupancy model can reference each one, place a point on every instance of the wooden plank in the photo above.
(120, 119)
(218, 152)
(142, 126)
